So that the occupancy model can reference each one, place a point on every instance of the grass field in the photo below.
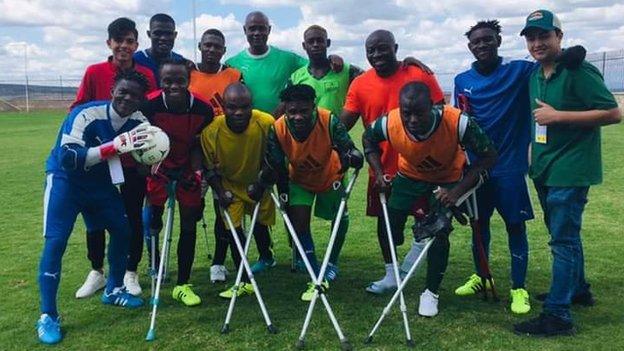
(463, 323)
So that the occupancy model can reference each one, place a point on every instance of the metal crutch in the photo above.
(151, 333)
(245, 264)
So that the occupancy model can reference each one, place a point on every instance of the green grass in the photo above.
(464, 323)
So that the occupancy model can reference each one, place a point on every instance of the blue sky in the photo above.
(63, 37)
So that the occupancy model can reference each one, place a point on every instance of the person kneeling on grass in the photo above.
(429, 139)
(183, 117)
(317, 149)
(82, 172)
(234, 145)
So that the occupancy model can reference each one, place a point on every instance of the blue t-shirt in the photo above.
(144, 59)
(88, 125)
(499, 102)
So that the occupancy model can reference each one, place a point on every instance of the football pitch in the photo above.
(463, 323)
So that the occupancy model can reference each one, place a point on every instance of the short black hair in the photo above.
(490, 24)
(120, 27)
(133, 76)
(215, 32)
(418, 90)
(162, 17)
(298, 92)
(174, 62)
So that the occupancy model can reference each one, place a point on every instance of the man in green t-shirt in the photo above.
(267, 68)
(569, 107)
(330, 87)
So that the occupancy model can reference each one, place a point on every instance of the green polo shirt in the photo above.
(266, 75)
(331, 89)
(571, 155)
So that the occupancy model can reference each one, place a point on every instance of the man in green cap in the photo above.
(569, 107)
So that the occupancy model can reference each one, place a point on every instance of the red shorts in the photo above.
(373, 206)
(188, 195)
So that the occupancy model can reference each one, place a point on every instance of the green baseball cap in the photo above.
(543, 19)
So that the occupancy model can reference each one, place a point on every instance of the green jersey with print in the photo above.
(562, 154)
(267, 74)
(331, 89)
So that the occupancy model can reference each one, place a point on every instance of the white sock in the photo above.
(388, 279)
(412, 255)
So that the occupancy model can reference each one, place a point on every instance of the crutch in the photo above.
(403, 284)
(473, 213)
(395, 266)
(320, 291)
(151, 333)
(204, 227)
(151, 245)
(244, 264)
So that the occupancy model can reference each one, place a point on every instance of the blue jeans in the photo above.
(563, 211)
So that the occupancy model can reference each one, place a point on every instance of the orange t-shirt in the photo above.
(439, 158)
(210, 86)
(372, 96)
(313, 163)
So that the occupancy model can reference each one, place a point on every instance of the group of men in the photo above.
(270, 117)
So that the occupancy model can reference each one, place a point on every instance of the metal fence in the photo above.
(58, 92)
(611, 65)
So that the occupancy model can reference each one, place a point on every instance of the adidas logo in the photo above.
(309, 164)
(429, 164)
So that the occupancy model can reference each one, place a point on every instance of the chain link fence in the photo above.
(58, 92)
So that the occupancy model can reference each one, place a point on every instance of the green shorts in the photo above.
(405, 192)
(327, 202)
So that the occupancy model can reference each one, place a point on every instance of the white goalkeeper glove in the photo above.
(139, 138)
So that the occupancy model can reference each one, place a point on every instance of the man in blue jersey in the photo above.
(82, 172)
(162, 34)
(495, 92)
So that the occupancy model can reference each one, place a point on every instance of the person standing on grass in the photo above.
(331, 89)
(97, 84)
(374, 94)
(234, 146)
(162, 34)
(308, 154)
(82, 172)
(209, 82)
(430, 141)
(183, 117)
(495, 92)
(569, 107)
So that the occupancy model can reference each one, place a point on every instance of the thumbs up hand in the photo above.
(545, 114)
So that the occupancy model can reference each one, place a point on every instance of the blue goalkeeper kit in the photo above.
(72, 188)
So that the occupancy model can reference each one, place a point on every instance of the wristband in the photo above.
(107, 150)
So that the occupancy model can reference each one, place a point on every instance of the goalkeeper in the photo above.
(82, 172)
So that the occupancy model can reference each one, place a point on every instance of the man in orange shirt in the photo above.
(370, 96)
(209, 82)
(212, 77)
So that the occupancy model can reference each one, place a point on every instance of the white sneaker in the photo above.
(94, 282)
(218, 273)
(428, 306)
(131, 281)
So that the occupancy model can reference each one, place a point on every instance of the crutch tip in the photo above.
(346, 345)
(151, 335)
(300, 345)
(410, 343)
(225, 329)
(368, 340)
(271, 328)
